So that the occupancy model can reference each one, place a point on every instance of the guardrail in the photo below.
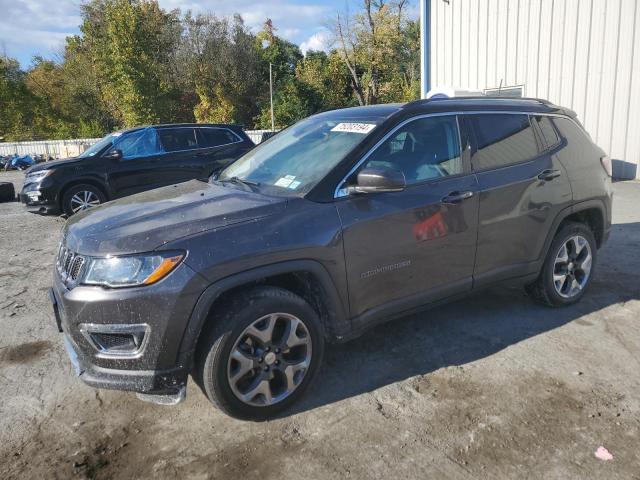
(74, 147)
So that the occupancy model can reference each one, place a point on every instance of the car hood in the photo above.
(148, 220)
(53, 164)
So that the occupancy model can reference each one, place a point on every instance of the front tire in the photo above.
(261, 354)
(81, 197)
(568, 267)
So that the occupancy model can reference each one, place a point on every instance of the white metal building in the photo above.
(581, 54)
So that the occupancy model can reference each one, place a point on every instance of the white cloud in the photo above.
(317, 41)
(30, 27)
(33, 27)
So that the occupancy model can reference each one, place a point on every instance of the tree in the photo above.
(328, 77)
(132, 44)
(223, 67)
(134, 63)
(16, 102)
(371, 46)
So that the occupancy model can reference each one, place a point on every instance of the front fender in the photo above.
(339, 321)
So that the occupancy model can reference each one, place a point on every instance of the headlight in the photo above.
(132, 270)
(39, 175)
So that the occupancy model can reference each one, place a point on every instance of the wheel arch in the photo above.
(81, 181)
(306, 278)
(591, 212)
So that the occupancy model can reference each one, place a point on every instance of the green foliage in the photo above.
(380, 48)
(14, 98)
(133, 46)
(134, 63)
(223, 67)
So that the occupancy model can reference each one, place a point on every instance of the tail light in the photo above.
(606, 164)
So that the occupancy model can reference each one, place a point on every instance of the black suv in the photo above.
(132, 161)
(345, 220)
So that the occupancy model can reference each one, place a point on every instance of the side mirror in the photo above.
(373, 180)
(114, 154)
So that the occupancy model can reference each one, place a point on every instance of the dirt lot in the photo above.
(492, 387)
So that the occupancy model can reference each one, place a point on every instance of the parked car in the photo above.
(347, 219)
(132, 161)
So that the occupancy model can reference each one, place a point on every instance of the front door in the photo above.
(140, 167)
(404, 249)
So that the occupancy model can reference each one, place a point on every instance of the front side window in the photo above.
(178, 139)
(215, 137)
(295, 160)
(423, 149)
(502, 139)
(141, 143)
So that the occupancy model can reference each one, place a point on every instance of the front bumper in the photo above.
(40, 198)
(160, 369)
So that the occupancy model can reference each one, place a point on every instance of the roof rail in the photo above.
(424, 101)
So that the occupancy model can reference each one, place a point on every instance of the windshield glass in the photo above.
(96, 148)
(296, 159)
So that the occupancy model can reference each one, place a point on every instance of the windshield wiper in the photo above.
(240, 181)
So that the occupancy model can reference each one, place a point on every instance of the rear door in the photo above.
(184, 160)
(219, 147)
(522, 186)
(404, 249)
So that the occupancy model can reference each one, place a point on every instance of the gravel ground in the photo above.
(493, 386)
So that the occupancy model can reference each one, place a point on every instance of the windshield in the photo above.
(96, 148)
(296, 159)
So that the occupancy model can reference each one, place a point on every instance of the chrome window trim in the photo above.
(88, 328)
(341, 192)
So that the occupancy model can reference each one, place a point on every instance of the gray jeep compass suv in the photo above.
(346, 219)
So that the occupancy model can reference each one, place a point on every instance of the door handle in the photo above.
(456, 197)
(547, 175)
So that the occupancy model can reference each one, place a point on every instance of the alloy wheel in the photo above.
(269, 359)
(83, 200)
(572, 266)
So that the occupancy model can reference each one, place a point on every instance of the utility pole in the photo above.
(273, 123)
(425, 47)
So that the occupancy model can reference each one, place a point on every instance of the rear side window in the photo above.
(177, 139)
(548, 131)
(215, 137)
(502, 140)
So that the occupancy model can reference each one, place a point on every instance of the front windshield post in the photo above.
(98, 147)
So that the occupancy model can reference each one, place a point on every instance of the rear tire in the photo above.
(261, 353)
(81, 197)
(568, 267)
(7, 192)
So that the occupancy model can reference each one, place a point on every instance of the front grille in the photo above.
(76, 267)
(69, 265)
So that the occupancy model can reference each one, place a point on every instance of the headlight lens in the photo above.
(131, 271)
(39, 175)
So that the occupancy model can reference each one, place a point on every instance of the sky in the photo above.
(39, 27)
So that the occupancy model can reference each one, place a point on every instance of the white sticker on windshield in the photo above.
(294, 185)
(363, 128)
(285, 181)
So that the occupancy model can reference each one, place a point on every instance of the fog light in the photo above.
(116, 340)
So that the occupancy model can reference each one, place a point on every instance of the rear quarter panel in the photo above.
(581, 160)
